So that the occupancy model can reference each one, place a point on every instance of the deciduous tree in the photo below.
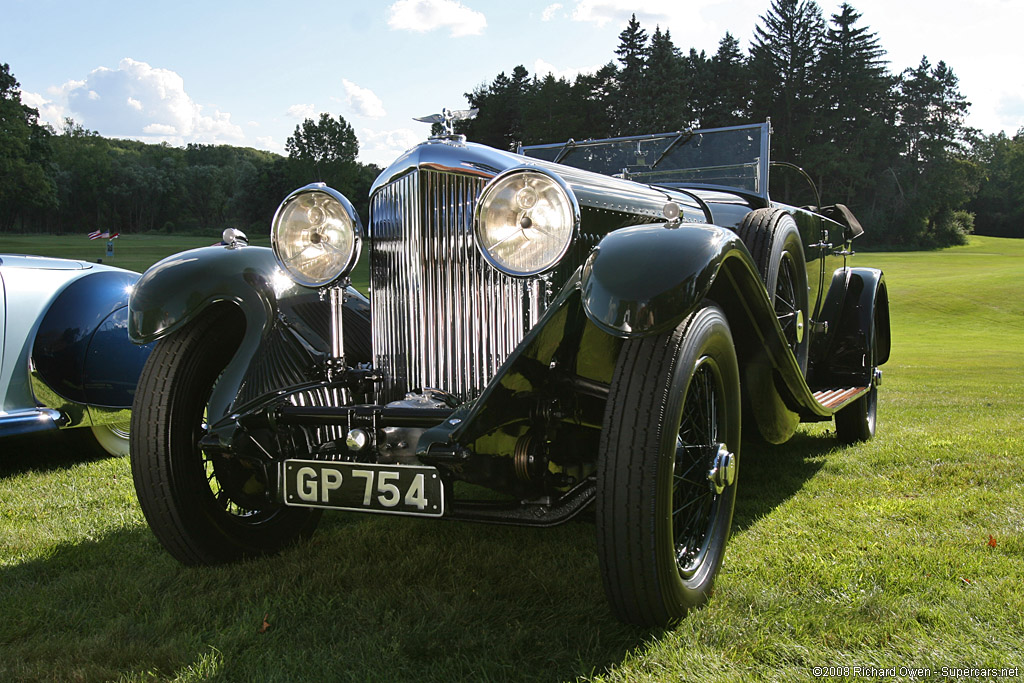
(323, 142)
(24, 150)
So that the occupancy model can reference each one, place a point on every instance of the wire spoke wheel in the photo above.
(693, 497)
(787, 305)
(204, 508)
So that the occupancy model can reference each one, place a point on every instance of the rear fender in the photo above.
(857, 312)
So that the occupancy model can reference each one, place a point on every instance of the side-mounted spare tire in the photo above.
(202, 509)
(773, 240)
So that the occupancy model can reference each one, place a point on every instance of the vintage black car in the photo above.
(578, 325)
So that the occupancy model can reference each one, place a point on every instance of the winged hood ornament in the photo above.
(448, 117)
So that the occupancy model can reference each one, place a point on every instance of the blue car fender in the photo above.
(81, 352)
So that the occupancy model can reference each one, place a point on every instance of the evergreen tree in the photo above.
(699, 94)
(936, 175)
(856, 140)
(665, 82)
(631, 101)
(728, 95)
(932, 113)
(595, 94)
(553, 111)
(502, 104)
(784, 73)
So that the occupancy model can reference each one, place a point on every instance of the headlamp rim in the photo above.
(574, 208)
(357, 230)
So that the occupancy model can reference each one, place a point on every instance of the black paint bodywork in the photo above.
(532, 433)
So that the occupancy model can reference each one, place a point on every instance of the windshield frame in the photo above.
(561, 153)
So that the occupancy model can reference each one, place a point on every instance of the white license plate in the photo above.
(395, 489)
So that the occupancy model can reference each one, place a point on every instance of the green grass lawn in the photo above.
(906, 551)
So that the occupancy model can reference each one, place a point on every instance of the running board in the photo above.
(834, 399)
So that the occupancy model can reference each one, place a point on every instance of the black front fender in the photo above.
(180, 287)
(286, 334)
(644, 280)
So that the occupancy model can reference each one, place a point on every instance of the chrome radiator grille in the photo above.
(442, 317)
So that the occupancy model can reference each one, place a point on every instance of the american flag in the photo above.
(101, 235)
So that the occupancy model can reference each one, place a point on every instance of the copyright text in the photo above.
(914, 672)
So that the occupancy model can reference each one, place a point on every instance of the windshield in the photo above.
(735, 157)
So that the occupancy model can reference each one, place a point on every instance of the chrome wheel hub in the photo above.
(723, 470)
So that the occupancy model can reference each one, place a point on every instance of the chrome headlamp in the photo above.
(525, 221)
(316, 235)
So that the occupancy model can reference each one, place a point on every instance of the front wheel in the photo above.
(202, 509)
(666, 481)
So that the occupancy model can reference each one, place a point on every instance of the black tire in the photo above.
(674, 405)
(183, 496)
(859, 420)
(772, 237)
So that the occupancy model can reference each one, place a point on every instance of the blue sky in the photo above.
(246, 73)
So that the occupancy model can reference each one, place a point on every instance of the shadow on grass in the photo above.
(367, 599)
(770, 475)
(48, 451)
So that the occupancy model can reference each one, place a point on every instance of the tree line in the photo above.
(893, 147)
(76, 181)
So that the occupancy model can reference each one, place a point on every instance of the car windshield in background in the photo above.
(735, 158)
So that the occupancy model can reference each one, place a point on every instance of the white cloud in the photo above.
(381, 147)
(159, 129)
(50, 112)
(427, 15)
(269, 143)
(648, 12)
(300, 111)
(542, 69)
(550, 11)
(363, 100)
(136, 100)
